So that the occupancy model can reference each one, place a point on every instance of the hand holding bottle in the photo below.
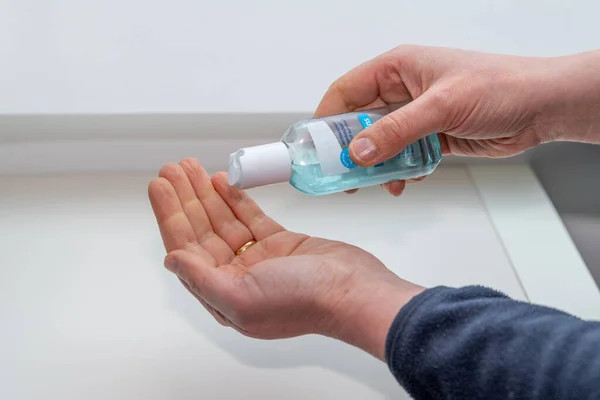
(483, 105)
(286, 284)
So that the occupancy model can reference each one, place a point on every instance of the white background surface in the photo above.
(88, 311)
(542, 253)
(120, 56)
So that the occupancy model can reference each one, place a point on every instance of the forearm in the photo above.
(570, 99)
(363, 318)
(478, 344)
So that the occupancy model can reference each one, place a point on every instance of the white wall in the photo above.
(120, 56)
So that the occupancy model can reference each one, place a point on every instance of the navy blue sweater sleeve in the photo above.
(476, 343)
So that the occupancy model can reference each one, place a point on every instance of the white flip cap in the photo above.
(260, 165)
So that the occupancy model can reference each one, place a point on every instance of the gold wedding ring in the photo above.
(245, 247)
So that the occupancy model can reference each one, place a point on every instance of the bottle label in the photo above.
(365, 120)
(332, 136)
(328, 148)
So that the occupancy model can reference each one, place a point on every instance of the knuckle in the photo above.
(334, 86)
(412, 55)
(442, 97)
(337, 89)
(406, 48)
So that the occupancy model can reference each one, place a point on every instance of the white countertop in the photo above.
(88, 310)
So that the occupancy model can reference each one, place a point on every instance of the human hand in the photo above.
(481, 105)
(287, 284)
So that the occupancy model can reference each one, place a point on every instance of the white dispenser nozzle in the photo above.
(260, 165)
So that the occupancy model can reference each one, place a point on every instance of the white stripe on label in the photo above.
(328, 148)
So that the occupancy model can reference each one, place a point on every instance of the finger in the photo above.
(175, 229)
(246, 209)
(194, 210)
(394, 132)
(416, 180)
(213, 286)
(395, 188)
(351, 191)
(376, 79)
(354, 89)
(200, 277)
(223, 220)
(444, 144)
(375, 104)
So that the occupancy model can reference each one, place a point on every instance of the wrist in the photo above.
(364, 317)
(570, 109)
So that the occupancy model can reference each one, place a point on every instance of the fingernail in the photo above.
(364, 149)
(171, 264)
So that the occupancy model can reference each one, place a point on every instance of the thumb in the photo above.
(394, 132)
(201, 277)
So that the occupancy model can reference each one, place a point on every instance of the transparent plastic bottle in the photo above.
(313, 157)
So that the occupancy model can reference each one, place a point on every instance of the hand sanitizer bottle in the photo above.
(313, 157)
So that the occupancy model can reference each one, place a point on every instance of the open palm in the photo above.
(287, 284)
